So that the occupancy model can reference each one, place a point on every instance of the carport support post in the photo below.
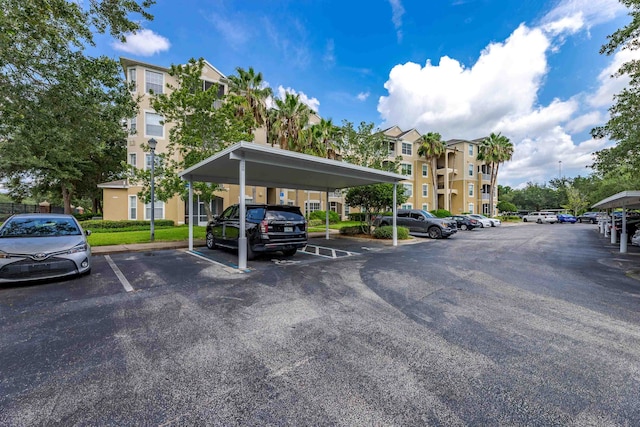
(612, 230)
(395, 213)
(242, 238)
(190, 214)
(623, 233)
(327, 216)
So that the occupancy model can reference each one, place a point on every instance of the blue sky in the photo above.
(529, 69)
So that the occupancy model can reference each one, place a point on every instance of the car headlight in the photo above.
(4, 255)
(82, 247)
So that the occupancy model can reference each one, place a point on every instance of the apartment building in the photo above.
(462, 181)
(120, 198)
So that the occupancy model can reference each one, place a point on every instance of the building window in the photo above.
(153, 125)
(470, 169)
(133, 207)
(408, 189)
(133, 159)
(425, 207)
(471, 189)
(158, 212)
(425, 190)
(346, 210)
(406, 206)
(425, 170)
(405, 169)
(470, 208)
(312, 206)
(406, 148)
(133, 126)
(392, 149)
(153, 81)
(147, 162)
(133, 79)
(471, 149)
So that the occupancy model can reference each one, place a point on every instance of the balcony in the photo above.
(486, 197)
(443, 170)
(441, 190)
(486, 177)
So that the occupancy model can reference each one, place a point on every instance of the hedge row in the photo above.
(112, 225)
(386, 232)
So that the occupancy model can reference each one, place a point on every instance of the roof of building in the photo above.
(121, 183)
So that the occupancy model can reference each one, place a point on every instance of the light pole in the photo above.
(152, 148)
(559, 168)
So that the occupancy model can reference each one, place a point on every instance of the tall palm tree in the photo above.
(290, 119)
(251, 86)
(322, 139)
(432, 147)
(494, 150)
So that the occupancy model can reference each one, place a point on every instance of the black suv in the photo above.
(420, 222)
(269, 228)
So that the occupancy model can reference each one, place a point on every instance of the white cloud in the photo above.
(143, 43)
(281, 92)
(396, 17)
(329, 57)
(499, 93)
(362, 96)
(233, 29)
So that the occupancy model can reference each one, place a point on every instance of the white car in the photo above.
(483, 220)
(541, 217)
(635, 240)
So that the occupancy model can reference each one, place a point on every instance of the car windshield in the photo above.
(428, 214)
(39, 227)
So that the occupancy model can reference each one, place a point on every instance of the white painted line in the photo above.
(225, 267)
(123, 280)
(334, 252)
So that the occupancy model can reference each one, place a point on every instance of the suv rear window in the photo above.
(284, 215)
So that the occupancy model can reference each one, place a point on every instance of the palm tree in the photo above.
(290, 118)
(432, 147)
(494, 150)
(322, 139)
(251, 86)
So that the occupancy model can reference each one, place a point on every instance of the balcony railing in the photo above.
(486, 196)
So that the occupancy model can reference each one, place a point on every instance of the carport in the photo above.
(247, 163)
(625, 200)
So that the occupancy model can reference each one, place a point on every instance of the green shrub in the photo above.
(386, 232)
(84, 216)
(95, 225)
(322, 215)
(352, 231)
(441, 213)
(358, 216)
(315, 222)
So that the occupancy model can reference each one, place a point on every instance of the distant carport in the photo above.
(625, 200)
(247, 163)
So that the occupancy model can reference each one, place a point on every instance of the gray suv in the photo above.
(420, 222)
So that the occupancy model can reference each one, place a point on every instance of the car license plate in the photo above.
(288, 229)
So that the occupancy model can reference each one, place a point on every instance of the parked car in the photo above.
(465, 222)
(541, 217)
(269, 228)
(635, 239)
(493, 222)
(562, 218)
(420, 222)
(591, 217)
(482, 221)
(633, 224)
(43, 246)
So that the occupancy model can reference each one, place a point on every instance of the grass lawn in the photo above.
(337, 226)
(171, 234)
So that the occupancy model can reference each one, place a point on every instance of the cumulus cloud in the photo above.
(143, 43)
(281, 92)
(499, 93)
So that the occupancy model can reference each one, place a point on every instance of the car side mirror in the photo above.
(87, 232)
(216, 217)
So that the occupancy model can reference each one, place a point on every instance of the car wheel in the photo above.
(251, 255)
(211, 241)
(539, 221)
(593, 221)
(580, 220)
(435, 233)
(290, 252)
(464, 227)
(524, 219)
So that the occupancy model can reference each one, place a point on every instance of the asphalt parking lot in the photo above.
(515, 325)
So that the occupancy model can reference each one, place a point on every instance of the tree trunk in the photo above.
(66, 197)
(494, 178)
(435, 184)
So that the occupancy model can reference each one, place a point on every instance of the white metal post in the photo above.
(623, 233)
(612, 230)
(327, 216)
(395, 214)
(190, 214)
(242, 237)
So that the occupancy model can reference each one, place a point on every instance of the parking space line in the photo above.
(125, 283)
(315, 250)
(233, 268)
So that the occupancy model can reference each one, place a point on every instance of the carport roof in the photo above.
(275, 167)
(624, 199)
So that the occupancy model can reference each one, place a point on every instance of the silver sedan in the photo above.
(42, 246)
